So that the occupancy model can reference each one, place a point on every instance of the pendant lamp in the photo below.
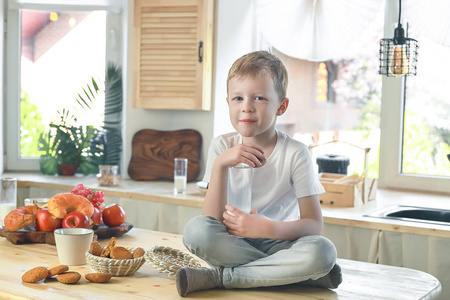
(398, 56)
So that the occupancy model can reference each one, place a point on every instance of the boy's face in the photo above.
(254, 105)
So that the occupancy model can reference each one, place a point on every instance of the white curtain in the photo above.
(431, 19)
(316, 30)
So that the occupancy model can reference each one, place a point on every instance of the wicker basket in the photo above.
(115, 267)
(168, 260)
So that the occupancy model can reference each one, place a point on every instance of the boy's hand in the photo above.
(249, 154)
(245, 225)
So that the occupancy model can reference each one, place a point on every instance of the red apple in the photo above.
(96, 217)
(113, 215)
(46, 222)
(75, 219)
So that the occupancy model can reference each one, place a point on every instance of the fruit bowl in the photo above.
(115, 267)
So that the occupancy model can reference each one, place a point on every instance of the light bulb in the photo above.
(399, 62)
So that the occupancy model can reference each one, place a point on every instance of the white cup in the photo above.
(72, 244)
(239, 190)
(180, 175)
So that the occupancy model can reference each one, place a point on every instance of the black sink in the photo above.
(422, 214)
(414, 214)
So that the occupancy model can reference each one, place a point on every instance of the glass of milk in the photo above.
(239, 189)
(180, 175)
(8, 201)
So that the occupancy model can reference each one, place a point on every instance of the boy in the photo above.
(279, 242)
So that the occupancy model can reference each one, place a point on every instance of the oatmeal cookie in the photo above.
(57, 270)
(68, 277)
(138, 252)
(95, 249)
(107, 250)
(121, 253)
(98, 277)
(35, 275)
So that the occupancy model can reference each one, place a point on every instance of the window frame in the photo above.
(113, 48)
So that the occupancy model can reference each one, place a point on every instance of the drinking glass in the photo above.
(239, 189)
(180, 175)
(8, 201)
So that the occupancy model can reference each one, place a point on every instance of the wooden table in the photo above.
(361, 280)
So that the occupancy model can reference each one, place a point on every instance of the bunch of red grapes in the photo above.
(96, 197)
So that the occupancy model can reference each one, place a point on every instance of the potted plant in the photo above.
(87, 147)
(65, 145)
(106, 147)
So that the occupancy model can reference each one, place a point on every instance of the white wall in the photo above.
(234, 23)
(2, 96)
(137, 119)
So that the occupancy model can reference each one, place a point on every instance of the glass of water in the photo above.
(180, 175)
(239, 190)
(8, 201)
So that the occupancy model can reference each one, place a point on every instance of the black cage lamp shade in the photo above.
(398, 56)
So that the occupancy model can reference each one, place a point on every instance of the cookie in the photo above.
(138, 252)
(121, 253)
(107, 250)
(95, 249)
(57, 270)
(98, 277)
(35, 275)
(68, 277)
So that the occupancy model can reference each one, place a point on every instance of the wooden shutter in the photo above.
(172, 54)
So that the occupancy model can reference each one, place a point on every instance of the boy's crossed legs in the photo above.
(247, 263)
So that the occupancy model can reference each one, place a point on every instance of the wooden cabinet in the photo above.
(172, 59)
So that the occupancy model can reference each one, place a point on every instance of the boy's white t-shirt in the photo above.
(287, 175)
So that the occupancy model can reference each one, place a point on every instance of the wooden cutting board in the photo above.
(153, 153)
(29, 237)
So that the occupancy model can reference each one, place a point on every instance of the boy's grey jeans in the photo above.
(258, 262)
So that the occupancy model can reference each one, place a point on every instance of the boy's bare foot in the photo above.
(331, 281)
(192, 279)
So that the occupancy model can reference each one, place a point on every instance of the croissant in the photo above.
(61, 204)
(21, 217)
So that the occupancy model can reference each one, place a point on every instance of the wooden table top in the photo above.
(360, 280)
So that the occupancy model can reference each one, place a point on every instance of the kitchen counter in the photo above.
(360, 280)
(154, 191)
(355, 216)
(162, 192)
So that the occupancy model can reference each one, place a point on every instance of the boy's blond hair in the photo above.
(256, 63)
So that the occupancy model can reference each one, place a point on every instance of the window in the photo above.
(60, 53)
(322, 83)
(402, 120)
(54, 50)
(426, 128)
(420, 145)
(326, 74)
(345, 106)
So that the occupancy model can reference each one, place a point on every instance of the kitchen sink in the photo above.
(414, 214)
